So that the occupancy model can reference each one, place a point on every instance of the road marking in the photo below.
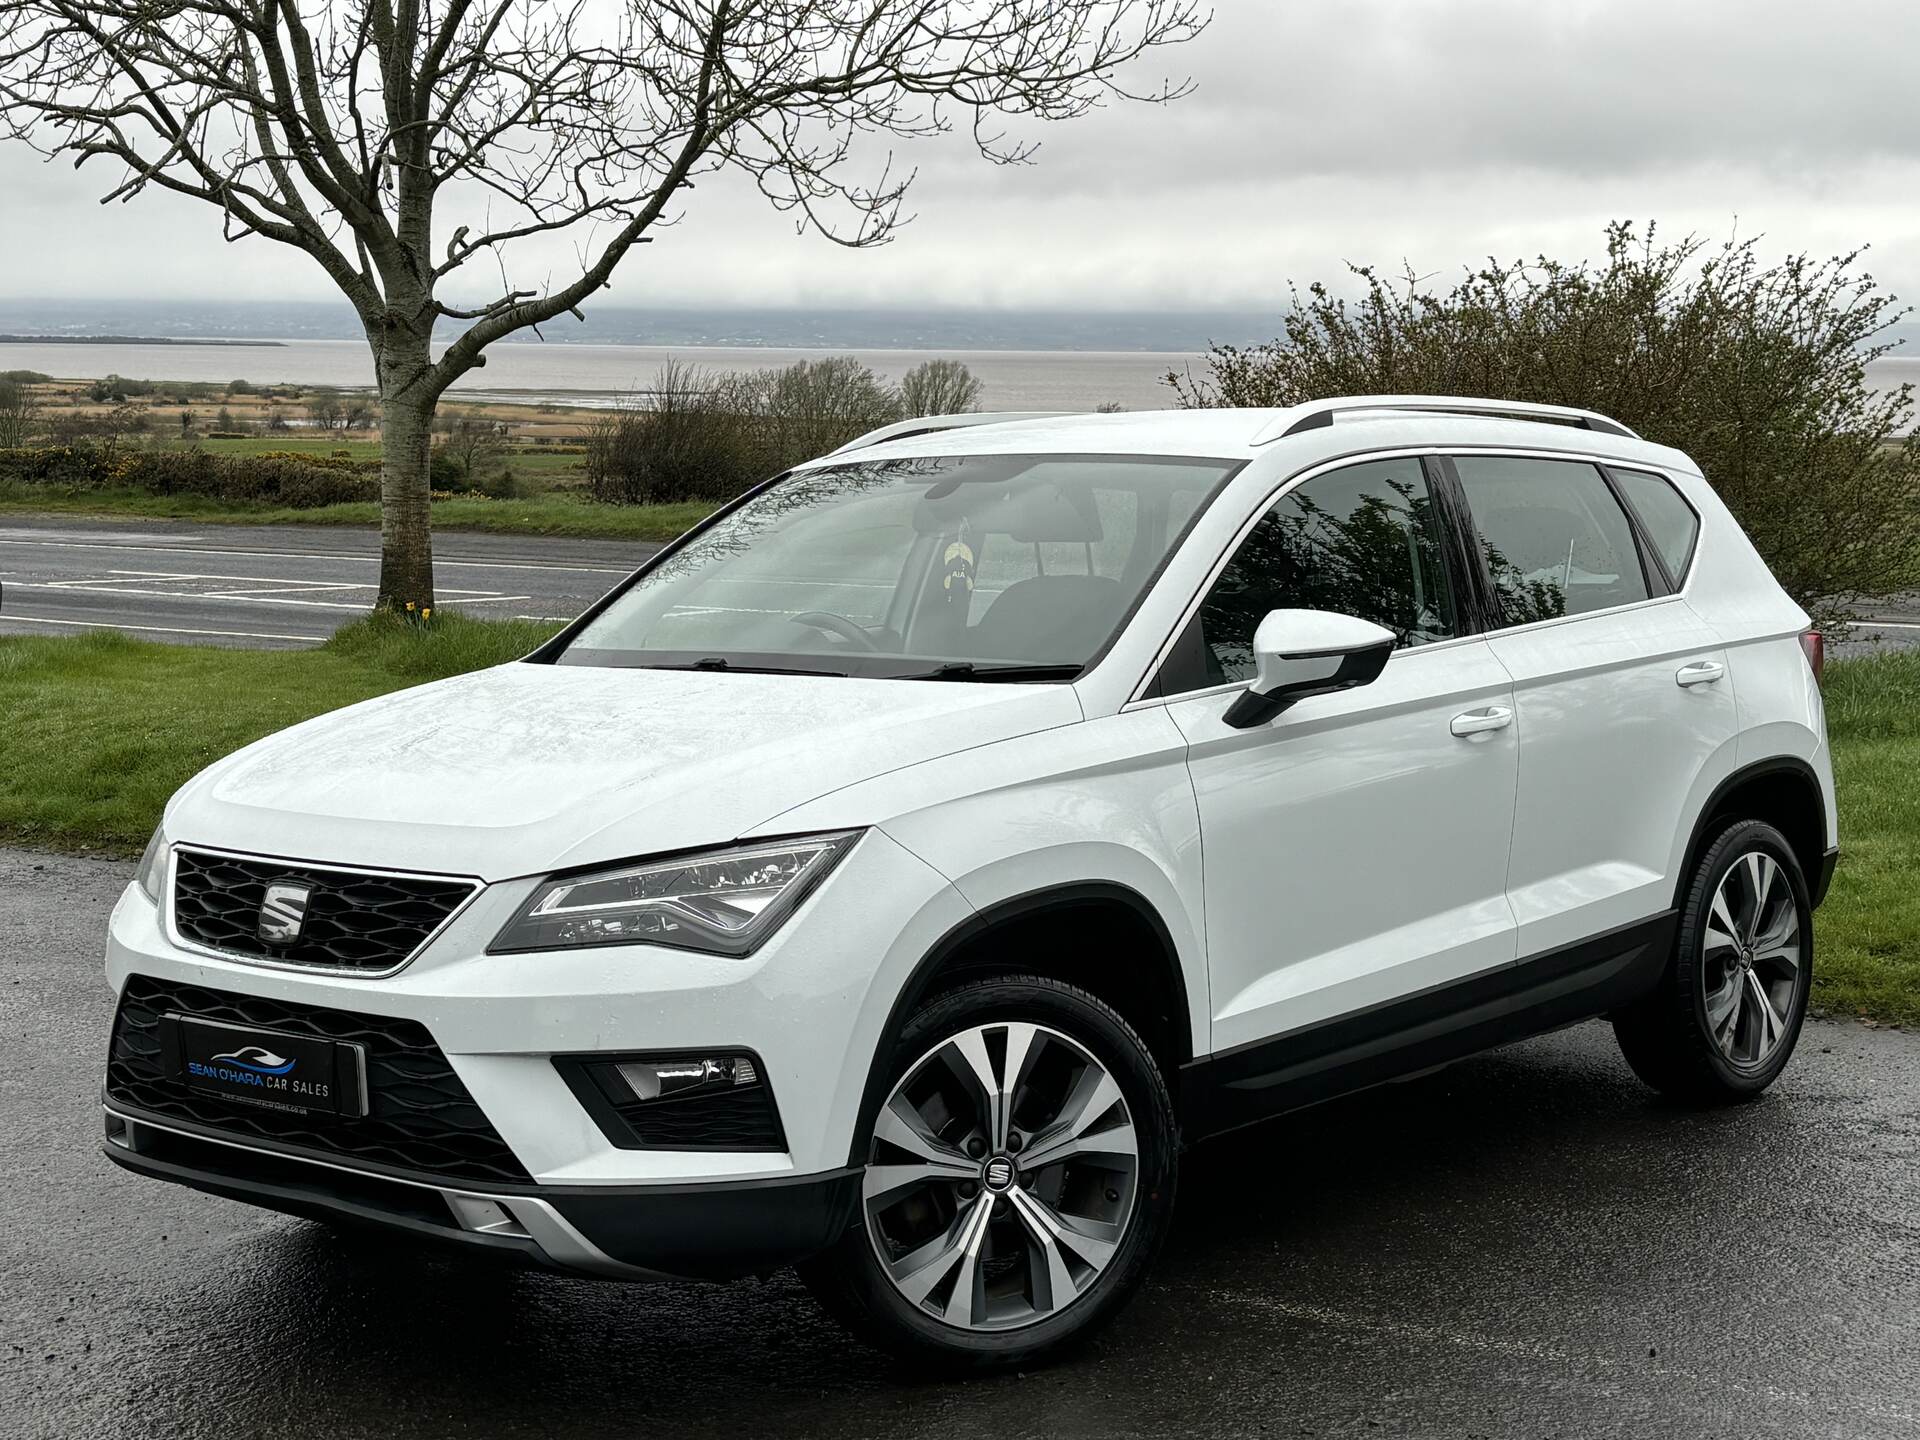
(83, 587)
(302, 589)
(1886, 625)
(156, 629)
(314, 555)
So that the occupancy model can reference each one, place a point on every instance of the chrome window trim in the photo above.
(1140, 699)
(474, 883)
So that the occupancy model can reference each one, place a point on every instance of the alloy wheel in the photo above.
(1002, 1177)
(1751, 960)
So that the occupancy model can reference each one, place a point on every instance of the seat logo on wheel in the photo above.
(283, 910)
(999, 1173)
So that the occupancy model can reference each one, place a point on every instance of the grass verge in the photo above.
(101, 729)
(540, 515)
(1867, 959)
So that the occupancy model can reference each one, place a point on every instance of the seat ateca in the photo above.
(895, 873)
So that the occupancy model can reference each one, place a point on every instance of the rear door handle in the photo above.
(1700, 672)
(1476, 722)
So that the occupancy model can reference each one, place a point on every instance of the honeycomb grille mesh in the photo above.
(354, 920)
(738, 1119)
(420, 1117)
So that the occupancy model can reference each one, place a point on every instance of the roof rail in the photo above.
(932, 424)
(1317, 413)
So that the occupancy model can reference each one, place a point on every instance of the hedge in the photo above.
(300, 482)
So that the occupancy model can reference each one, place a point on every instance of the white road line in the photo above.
(75, 587)
(1886, 625)
(551, 619)
(313, 555)
(301, 589)
(154, 629)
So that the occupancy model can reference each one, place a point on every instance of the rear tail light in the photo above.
(1814, 644)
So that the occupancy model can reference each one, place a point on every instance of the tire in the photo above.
(964, 1285)
(1702, 1036)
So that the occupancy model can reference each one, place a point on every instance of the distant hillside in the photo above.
(1183, 331)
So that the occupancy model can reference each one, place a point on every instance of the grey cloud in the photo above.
(1319, 132)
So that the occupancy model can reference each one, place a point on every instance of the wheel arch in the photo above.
(1002, 939)
(1785, 792)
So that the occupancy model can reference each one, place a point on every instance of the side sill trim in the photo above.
(1399, 1037)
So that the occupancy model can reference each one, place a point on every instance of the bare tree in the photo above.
(940, 387)
(359, 131)
(19, 411)
(325, 410)
(471, 442)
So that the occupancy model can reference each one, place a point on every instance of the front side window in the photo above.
(1556, 541)
(1020, 566)
(1364, 540)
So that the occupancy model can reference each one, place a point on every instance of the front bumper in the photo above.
(691, 1232)
(812, 1004)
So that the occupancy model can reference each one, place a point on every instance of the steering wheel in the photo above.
(836, 625)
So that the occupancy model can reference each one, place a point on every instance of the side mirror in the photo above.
(1298, 653)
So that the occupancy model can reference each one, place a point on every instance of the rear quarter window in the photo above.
(1665, 516)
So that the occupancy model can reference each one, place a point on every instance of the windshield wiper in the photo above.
(719, 663)
(969, 670)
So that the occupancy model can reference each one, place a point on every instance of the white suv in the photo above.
(895, 873)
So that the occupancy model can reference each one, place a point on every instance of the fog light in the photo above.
(658, 1079)
(695, 1100)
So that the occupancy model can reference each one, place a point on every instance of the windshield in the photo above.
(958, 567)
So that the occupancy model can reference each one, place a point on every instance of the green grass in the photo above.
(1868, 933)
(539, 515)
(101, 729)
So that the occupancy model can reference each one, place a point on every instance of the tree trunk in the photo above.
(406, 522)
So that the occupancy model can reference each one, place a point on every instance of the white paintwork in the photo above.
(1355, 848)
(1482, 800)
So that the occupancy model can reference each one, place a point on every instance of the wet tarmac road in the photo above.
(1526, 1245)
(273, 586)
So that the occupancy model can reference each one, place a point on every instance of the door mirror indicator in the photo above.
(1298, 653)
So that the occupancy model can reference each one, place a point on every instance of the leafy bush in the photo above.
(298, 481)
(1755, 370)
(25, 377)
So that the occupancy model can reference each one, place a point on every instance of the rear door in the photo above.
(1623, 695)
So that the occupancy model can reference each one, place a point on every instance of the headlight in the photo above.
(725, 901)
(152, 873)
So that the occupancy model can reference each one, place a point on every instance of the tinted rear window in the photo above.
(1666, 517)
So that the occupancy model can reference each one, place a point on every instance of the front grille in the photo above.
(361, 921)
(419, 1116)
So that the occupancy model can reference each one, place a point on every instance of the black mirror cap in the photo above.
(1357, 668)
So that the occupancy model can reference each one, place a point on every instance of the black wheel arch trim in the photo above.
(919, 986)
(1819, 873)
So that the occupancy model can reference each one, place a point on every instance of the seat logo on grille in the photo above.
(283, 910)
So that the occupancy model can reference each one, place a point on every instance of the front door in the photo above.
(1354, 848)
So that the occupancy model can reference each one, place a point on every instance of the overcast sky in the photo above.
(1431, 130)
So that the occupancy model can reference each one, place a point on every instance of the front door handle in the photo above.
(1700, 672)
(1478, 722)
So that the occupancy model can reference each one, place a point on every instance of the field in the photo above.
(534, 470)
(102, 729)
